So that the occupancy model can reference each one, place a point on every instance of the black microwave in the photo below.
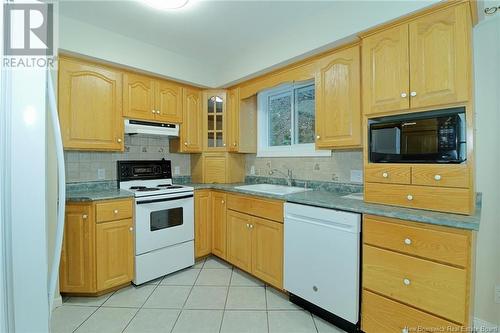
(429, 137)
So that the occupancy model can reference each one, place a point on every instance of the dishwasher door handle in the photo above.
(323, 223)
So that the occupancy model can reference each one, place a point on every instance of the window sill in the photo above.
(294, 153)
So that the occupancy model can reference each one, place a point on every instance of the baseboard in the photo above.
(484, 326)
(57, 302)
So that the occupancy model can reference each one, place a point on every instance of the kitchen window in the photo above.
(286, 121)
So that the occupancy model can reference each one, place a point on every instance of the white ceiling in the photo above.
(222, 41)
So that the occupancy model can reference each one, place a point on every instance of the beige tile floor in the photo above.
(211, 296)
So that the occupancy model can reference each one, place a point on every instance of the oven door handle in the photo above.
(164, 199)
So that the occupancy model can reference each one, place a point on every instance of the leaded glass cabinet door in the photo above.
(215, 123)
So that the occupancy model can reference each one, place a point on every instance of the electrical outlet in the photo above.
(177, 170)
(497, 294)
(252, 170)
(101, 174)
(357, 176)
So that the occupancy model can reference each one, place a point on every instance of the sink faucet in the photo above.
(288, 175)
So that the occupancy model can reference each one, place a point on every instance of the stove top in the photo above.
(148, 178)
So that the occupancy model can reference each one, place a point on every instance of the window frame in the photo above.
(294, 149)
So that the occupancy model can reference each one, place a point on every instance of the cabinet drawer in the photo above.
(433, 287)
(444, 199)
(440, 175)
(114, 210)
(393, 174)
(268, 209)
(380, 314)
(432, 243)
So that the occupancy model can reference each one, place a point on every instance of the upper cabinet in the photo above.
(215, 121)
(150, 99)
(191, 130)
(338, 100)
(90, 106)
(386, 71)
(233, 113)
(440, 53)
(422, 63)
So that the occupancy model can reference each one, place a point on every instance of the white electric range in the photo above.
(164, 218)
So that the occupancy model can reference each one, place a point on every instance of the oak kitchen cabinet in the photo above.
(219, 224)
(151, 99)
(338, 100)
(255, 237)
(215, 120)
(98, 247)
(425, 62)
(202, 223)
(415, 275)
(90, 106)
(191, 130)
(218, 167)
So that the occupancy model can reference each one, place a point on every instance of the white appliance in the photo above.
(322, 258)
(164, 219)
(148, 127)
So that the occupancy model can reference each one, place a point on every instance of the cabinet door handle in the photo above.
(251, 226)
(222, 202)
(119, 140)
(437, 177)
(406, 282)
(413, 94)
(248, 225)
(318, 137)
(185, 143)
(403, 95)
(157, 111)
(84, 216)
(385, 174)
(407, 241)
(405, 330)
(115, 211)
(234, 144)
(409, 197)
(153, 111)
(131, 229)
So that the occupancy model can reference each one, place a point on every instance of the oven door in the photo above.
(162, 221)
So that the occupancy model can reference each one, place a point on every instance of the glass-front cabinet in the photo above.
(215, 120)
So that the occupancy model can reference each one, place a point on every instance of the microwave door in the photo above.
(419, 140)
(385, 143)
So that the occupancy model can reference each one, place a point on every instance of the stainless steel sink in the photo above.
(272, 189)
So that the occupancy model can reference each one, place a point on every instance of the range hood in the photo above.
(148, 127)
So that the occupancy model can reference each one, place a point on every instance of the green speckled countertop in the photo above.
(335, 200)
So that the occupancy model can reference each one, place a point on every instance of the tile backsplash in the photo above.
(84, 166)
(336, 168)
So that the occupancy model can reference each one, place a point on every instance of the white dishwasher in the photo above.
(322, 260)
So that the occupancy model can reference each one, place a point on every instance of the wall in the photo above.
(336, 168)
(487, 148)
(83, 166)
(85, 39)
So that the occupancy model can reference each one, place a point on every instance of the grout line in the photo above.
(98, 307)
(227, 296)
(189, 294)
(139, 309)
(267, 309)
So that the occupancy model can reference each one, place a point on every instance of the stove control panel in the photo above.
(135, 170)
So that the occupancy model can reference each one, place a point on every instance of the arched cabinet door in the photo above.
(168, 102)
(90, 106)
(139, 97)
(338, 100)
(386, 71)
(440, 56)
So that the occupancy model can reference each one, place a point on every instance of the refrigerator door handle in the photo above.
(61, 197)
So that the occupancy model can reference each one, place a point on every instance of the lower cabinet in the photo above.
(219, 224)
(97, 256)
(256, 246)
(114, 253)
(202, 223)
(239, 240)
(416, 277)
